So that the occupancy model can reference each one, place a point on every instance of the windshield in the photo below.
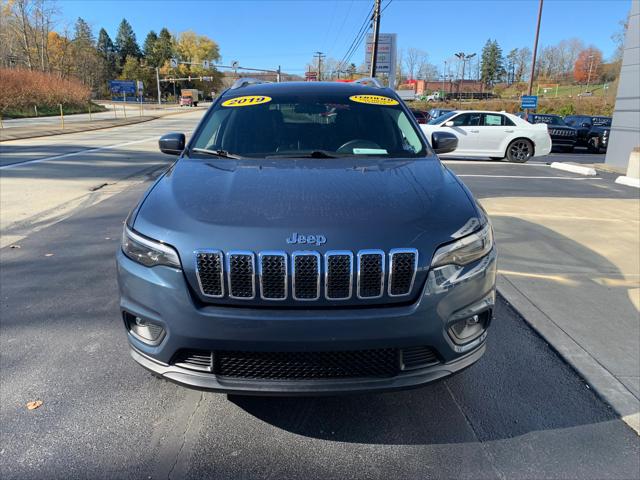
(548, 119)
(601, 121)
(310, 125)
(441, 118)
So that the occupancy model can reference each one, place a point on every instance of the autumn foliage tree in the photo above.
(588, 65)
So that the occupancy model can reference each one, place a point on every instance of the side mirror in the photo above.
(449, 123)
(444, 142)
(172, 143)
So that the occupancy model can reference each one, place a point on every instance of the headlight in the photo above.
(466, 250)
(148, 252)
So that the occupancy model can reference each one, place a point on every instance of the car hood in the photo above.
(356, 204)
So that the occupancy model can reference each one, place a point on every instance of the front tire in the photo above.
(520, 150)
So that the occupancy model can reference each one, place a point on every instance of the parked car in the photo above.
(437, 112)
(421, 117)
(286, 252)
(593, 132)
(496, 135)
(563, 137)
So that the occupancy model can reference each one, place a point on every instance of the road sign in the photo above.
(174, 63)
(529, 101)
(118, 87)
(139, 86)
(311, 76)
(387, 54)
(205, 64)
(235, 64)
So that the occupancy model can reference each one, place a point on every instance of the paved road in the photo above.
(114, 110)
(521, 412)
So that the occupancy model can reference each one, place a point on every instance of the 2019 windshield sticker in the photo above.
(373, 99)
(246, 101)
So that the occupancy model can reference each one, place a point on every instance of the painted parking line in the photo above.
(495, 163)
(73, 154)
(529, 177)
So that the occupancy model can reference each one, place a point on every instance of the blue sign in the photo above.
(529, 101)
(122, 86)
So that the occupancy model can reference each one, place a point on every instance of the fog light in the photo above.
(144, 330)
(468, 329)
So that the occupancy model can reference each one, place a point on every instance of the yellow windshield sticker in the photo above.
(373, 99)
(246, 101)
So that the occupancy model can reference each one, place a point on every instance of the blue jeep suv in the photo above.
(307, 240)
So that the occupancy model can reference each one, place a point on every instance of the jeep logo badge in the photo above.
(299, 238)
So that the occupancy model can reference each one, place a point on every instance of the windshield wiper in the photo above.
(217, 153)
(312, 154)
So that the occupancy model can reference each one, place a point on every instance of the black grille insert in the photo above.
(273, 275)
(307, 365)
(241, 275)
(402, 268)
(374, 363)
(370, 274)
(339, 275)
(209, 273)
(306, 276)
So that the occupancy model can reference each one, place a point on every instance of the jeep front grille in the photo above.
(237, 275)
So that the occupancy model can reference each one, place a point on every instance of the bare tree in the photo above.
(413, 58)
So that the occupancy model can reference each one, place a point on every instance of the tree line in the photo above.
(28, 40)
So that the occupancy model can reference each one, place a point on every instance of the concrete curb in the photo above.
(600, 379)
(628, 181)
(570, 167)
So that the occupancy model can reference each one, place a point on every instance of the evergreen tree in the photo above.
(85, 58)
(164, 47)
(126, 44)
(492, 63)
(149, 49)
(108, 61)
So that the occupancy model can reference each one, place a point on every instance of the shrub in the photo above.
(23, 89)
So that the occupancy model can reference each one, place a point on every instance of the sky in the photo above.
(265, 34)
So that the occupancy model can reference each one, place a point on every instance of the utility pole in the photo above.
(376, 36)
(158, 83)
(278, 75)
(589, 76)
(320, 56)
(444, 74)
(535, 49)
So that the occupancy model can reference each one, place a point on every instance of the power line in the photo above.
(344, 19)
(385, 7)
(358, 38)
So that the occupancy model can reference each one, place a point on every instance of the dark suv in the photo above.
(563, 137)
(307, 240)
(593, 132)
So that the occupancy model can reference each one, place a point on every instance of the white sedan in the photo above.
(496, 135)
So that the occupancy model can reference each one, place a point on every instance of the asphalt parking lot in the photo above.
(521, 412)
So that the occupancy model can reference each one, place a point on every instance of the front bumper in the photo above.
(161, 295)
